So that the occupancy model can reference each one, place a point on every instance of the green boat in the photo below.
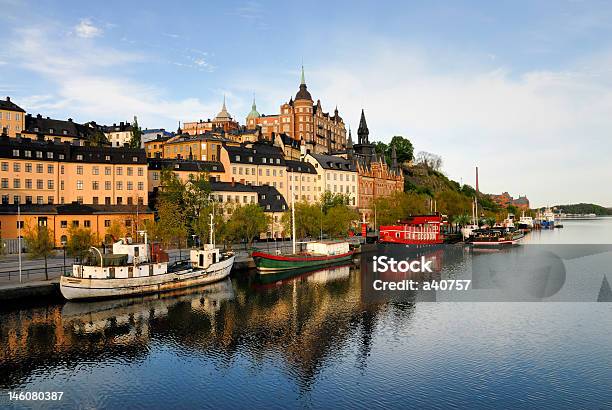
(320, 253)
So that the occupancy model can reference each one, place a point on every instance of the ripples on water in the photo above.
(317, 340)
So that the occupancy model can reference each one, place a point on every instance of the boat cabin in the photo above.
(328, 247)
(203, 258)
(419, 229)
(136, 252)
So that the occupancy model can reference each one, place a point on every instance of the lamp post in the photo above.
(64, 249)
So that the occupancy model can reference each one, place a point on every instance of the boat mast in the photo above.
(476, 198)
(292, 215)
(212, 228)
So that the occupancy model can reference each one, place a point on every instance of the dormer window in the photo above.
(79, 157)
(263, 196)
(263, 160)
(237, 157)
(278, 160)
(250, 159)
(134, 159)
(51, 130)
(65, 132)
(39, 154)
(36, 129)
(15, 152)
(27, 154)
(214, 168)
(176, 166)
(278, 197)
(107, 157)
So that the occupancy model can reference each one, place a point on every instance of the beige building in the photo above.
(60, 218)
(12, 117)
(42, 172)
(336, 175)
(183, 169)
(303, 181)
(223, 121)
(255, 164)
(204, 147)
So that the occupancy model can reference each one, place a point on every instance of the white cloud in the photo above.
(86, 29)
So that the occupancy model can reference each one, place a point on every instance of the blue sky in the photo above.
(521, 89)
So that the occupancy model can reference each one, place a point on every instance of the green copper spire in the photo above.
(303, 78)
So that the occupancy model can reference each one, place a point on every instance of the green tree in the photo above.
(115, 231)
(172, 189)
(98, 138)
(39, 241)
(247, 222)
(200, 225)
(197, 194)
(338, 220)
(136, 139)
(80, 240)
(403, 149)
(308, 220)
(170, 226)
(329, 200)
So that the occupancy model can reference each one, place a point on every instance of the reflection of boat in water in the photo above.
(141, 268)
(93, 316)
(325, 274)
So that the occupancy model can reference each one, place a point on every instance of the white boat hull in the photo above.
(73, 288)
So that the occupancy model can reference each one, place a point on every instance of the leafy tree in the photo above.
(79, 241)
(200, 225)
(329, 200)
(308, 219)
(247, 222)
(170, 226)
(115, 231)
(39, 241)
(136, 139)
(512, 209)
(338, 220)
(98, 138)
(172, 189)
(403, 149)
(462, 220)
(196, 194)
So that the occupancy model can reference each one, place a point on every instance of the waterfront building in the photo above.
(256, 164)
(183, 169)
(376, 179)
(266, 196)
(12, 117)
(302, 180)
(335, 174)
(44, 172)
(303, 120)
(223, 121)
(60, 218)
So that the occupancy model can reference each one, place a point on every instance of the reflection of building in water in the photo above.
(306, 321)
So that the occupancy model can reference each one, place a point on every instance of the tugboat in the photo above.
(142, 268)
(547, 219)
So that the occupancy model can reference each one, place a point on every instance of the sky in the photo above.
(520, 89)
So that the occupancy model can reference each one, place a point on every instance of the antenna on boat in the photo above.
(212, 228)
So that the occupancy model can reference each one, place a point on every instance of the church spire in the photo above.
(362, 131)
(303, 79)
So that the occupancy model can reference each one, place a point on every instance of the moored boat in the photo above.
(142, 268)
(415, 230)
(495, 237)
(319, 253)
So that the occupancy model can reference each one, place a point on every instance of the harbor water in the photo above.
(322, 340)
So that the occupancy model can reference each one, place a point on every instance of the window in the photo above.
(39, 168)
(39, 184)
(15, 152)
(107, 185)
(63, 224)
(140, 171)
(119, 171)
(155, 176)
(16, 199)
(119, 185)
(49, 184)
(5, 199)
(28, 167)
(141, 186)
(95, 185)
(50, 200)
(5, 183)
(49, 169)
(107, 223)
(39, 200)
(130, 200)
(130, 185)
(107, 170)
(28, 199)
(107, 200)
(80, 170)
(5, 166)
(95, 170)
(95, 200)
(39, 154)
(49, 155)
(87, 224)
(75, 224)
(79, 185)
(80, 199)
(119, 200)
(79, 157)
(16, 183)
(62, 185)
(130, 171)
(62, 169)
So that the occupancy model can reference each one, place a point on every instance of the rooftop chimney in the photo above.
(8, 98)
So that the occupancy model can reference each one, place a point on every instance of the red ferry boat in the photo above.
(415, 230)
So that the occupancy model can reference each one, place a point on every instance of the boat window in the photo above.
(214, 257)
(201, 260)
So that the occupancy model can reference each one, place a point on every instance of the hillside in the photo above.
(583, 208)
(421, 179)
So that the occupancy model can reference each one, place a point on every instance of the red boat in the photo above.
(415, 230)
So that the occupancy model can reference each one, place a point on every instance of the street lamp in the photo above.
(64, 248)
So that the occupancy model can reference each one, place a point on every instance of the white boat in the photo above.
(137, 268)
(526, 222)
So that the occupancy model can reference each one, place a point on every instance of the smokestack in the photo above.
(477, 180)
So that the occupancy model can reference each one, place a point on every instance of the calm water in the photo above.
(320, 340)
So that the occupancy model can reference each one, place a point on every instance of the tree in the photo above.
(172, 189)
(171, 225)
(39, 241)
(403, 149)
(308, 220)
(247, 222)
(197, 194)
(431, 161)
(98, 138)
(80, 240)
(115, 231)
(462, 220)
(329, 200)
(136, 139)
(200, 225)
(338, 220)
